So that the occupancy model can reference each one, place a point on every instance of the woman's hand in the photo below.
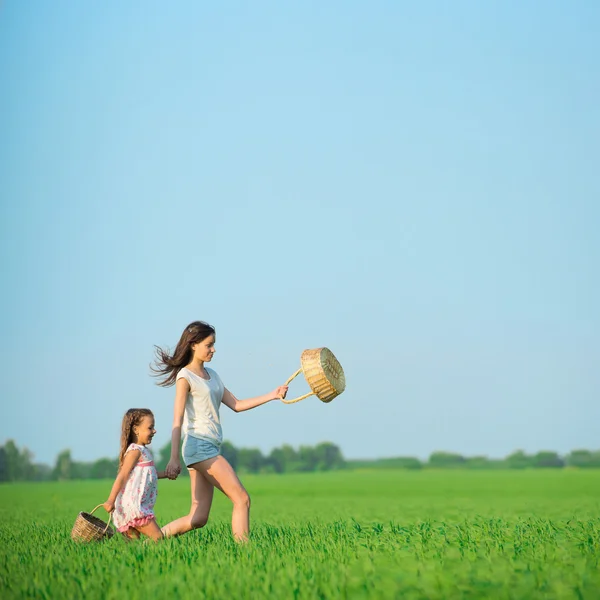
(280, 392)
(173, 469)
(109, 506)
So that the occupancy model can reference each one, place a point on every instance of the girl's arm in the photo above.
(182, 389)
(128, 463)
(162, 475)
(241, 405)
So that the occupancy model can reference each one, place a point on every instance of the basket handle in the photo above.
(299, 397)
(109, 517)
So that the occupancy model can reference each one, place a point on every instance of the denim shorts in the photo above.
(196, 450)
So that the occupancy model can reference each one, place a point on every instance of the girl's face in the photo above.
(205, 349)
(145, 430)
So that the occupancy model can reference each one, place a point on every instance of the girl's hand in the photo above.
(109, 506)
(280, 392)
(173, 469)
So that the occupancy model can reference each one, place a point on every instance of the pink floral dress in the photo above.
(134, 506)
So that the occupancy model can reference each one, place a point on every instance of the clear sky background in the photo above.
(414, 185)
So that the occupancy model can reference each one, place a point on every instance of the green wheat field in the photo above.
(345, 534)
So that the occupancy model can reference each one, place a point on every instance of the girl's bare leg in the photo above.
(152, 530)
(221, 475)
(202, 497)
(131, 534)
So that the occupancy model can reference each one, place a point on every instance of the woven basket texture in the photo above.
(323, 373)
(88, 528)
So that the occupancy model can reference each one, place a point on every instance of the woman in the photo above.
(199, 393)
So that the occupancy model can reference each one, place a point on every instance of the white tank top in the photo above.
(201, 416)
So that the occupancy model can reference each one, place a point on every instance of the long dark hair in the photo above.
(132, 418)
(168, 365)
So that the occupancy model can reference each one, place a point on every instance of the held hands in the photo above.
(280, 392)
(173, 469)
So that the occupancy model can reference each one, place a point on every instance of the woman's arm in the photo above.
(182, 388)
(241, 405)
(128, 463)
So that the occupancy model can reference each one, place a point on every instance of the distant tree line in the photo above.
(17, 464)
(516, 460)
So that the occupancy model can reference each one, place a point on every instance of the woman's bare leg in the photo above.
(202, 497)
(221, 475)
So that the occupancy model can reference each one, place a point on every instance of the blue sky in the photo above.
(413, 185)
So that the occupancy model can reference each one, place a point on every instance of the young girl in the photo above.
(134, 492)
(199, 393)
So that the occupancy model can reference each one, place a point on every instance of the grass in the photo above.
(371, 534)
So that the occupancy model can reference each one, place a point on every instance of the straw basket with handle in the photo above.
(323, 373)
(88, 528)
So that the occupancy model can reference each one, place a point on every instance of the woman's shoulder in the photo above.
(183, 372)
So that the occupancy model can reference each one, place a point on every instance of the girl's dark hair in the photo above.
(132, 418)
(167, 365)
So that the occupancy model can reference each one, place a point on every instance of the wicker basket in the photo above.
(323, 373)
(88, 528)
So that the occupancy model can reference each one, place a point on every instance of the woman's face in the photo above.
(205, 349)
